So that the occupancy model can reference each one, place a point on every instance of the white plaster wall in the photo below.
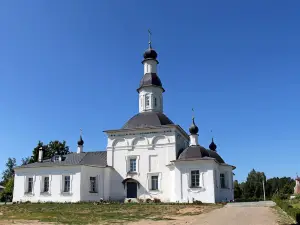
(143, 146)
(150, 66)
(183, 192)
(225, 194)
(102, 180)
(152, 92)
(55, 187)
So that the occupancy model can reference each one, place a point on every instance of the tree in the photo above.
(25, 161)
(9, 171)
(7, 193)
(53, 148)
(253, 186)
(237, 190)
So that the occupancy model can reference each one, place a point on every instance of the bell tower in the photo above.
(150, 90)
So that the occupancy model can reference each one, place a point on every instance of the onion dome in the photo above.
(150, 53)
(193, 128)
(212, 145)
(80, 142)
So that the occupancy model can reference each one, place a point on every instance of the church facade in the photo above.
(150, 157)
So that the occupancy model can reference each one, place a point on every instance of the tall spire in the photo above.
(149, 42)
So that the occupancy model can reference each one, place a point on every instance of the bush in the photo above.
(148, 200)
(290, 210)
(156, 200)
(196, 202)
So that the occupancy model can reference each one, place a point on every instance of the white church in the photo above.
(150, 157)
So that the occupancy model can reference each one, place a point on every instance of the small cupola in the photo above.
(80, 143)
(193, 134)
(213, 146)
(193, 128)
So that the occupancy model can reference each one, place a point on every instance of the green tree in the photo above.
(51, 149)
(9, 171)
(7, 193)
(253, 187)
(237, 190)
(25, 161)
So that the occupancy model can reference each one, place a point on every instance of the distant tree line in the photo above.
(252, 188)
(50, 149)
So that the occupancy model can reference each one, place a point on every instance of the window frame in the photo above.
(30, 190)
(65, 189)
(93, 186)
(44, 185)
(152, 183)
(135, 165)
(195, 179)
(147, 101)
(222, 180)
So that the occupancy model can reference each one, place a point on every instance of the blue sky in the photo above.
(66, 65)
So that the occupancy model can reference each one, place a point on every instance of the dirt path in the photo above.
(224, 216)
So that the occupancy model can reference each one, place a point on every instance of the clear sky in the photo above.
(66, 65)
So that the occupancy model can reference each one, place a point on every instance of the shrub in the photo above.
(148, 200)
(197, 202)
(157, 200)
(290, 210)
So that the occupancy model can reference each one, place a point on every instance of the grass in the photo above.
(88, 213)
(283, 218)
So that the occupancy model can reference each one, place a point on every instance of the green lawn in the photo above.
(88, 213)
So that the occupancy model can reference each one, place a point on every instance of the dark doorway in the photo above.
(131, 190)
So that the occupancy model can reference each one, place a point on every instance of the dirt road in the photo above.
(224, 216)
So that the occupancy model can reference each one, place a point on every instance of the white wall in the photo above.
(102, 180)
(227, 193)
(156, 145)
(152, 92)
(55, 187)
(182, 178)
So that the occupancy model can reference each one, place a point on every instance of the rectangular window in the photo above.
(195, 178)
(67, 184)
(147, 101)
(155, 103)
(132, 165)
(222, 180)
(93, 184)
(30, 184)
(154, 183)
(46, 184)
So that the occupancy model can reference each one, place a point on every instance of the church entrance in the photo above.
(131, 190)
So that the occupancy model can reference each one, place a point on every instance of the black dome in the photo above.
(193, 128)
(150, 79)
(150, 54)
(197, 152)
(212, 145)
(147, 119)
(80, 142)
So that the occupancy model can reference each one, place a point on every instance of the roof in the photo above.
(85, 158)
(147, 119)
(150, 79)
(197, 152)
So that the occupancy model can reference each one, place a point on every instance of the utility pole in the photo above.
(263, 183)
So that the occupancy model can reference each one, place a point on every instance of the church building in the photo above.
(149, 157)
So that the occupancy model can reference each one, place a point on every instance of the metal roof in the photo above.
(85, 158)
(147, 119)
